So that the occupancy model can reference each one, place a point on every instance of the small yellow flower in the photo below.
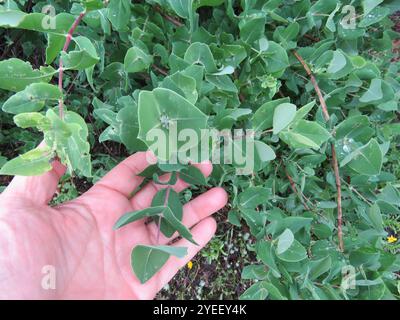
(391, 239)
(190, 265)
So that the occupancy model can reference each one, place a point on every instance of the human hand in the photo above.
(90, 259)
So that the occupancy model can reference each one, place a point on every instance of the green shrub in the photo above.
(314, 82)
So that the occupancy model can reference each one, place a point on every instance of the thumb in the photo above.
(39, 189)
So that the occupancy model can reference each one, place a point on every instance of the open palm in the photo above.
(76, 239)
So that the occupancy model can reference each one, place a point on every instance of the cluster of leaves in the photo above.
(230, 64)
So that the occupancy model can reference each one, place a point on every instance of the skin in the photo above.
(76, 239)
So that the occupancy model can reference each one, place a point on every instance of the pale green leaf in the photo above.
(32, 163)
(32, 98)
(283, 116)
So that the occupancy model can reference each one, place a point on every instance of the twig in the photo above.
(173, 20)
(315, 84)
(339, 196)
(294, 189)
(311, 38)
(242, 98)
(160, 70)
(335, 165)
(352, 189)
(61, 70)
(28, 6)
(72, 83)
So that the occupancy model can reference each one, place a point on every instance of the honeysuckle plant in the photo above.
(316, 82)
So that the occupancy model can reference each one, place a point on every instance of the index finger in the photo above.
(124, 177)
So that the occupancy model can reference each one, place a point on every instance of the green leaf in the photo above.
(11, 18)
(296, 223)
(119, 13)
(252, 272)
(253, 196)
(276, 59)
(285, 241)
(356, 127)
(32, 120)
(254, 219)
(252, 28)
(182, 230)
(389, 106)
(182, 84)
(69, 137)
(32, 98)
(283, 116)
(146, 261)
(267, 256)
(263, 117)
(223, 83)
(304, 111)
(138, 215)
(330, 23)
(257, 291)
(184, 9)
(78, 60)
(137, 60)
(93, 5)
(36, 21)
(287, 36)
(193, 176)
(374, 16)
(200, 53)
(32, 163)
(211, 3)
(85, 44)
(319, 267)
(375, 216)
(16, 75)
(163, 110)
(367, 159)
(296, 252)
(128, 128)
(305, 134)
(174, 203)
(264, 151)
(369, 5)
(274, 292)
(374, 92)
(337, 63)
(368, 257)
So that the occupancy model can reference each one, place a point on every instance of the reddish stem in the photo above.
(335, 164)
(294, 189)
(339, 196)
(315, 84)
(174, 21)
(61, 70)
(160, 70)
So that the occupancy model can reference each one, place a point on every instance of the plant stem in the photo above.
(159, 218)
(335, 164)
(294, 189)
(160, 70)
(174, 21)
(60, 69)
(315, 84)
(339, 196)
